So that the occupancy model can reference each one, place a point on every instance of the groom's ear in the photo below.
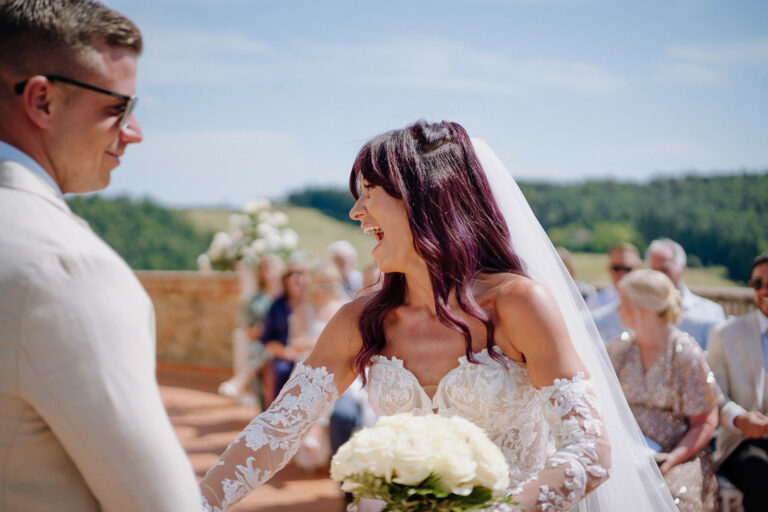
(40, 102)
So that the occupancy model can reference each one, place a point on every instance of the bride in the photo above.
(477, 318)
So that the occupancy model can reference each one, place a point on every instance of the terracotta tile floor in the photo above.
(206, 422)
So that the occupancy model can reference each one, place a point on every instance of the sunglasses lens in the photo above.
(757, 284)
(130, 106)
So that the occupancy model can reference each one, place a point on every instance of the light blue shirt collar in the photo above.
(8, 152)
(762, 323)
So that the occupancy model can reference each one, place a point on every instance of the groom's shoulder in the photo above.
(42, 244)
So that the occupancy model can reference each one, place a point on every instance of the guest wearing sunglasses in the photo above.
(738, 355)
(623, 258)
(82, 425)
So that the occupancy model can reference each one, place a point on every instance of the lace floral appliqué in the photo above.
(576, 468)
(270, 440)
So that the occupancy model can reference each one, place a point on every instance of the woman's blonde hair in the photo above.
(653, 290)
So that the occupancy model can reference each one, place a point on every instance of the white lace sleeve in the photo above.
(270, 440)
(583, 453)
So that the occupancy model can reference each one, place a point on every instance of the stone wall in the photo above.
(196, 314)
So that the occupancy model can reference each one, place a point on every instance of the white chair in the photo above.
(730, 496)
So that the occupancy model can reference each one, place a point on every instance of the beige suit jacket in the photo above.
(82, 426)
(735, 355)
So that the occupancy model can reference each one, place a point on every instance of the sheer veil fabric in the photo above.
(635, 483)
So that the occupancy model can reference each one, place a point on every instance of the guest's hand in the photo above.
(667, 461)
(753, 424)
(291, 354)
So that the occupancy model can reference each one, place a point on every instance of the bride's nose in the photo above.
(358, 210)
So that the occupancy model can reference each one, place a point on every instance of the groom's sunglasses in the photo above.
(129, 103)
(757, 283)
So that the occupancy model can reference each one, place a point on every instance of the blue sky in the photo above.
(254, 98)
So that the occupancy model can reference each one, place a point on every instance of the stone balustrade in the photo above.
(196, 313)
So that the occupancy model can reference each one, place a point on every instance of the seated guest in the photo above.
(324, 298)
(344, 256)
(622, 259)
(699, 314)
(249, 356)
(668, 386)
(275, 337)
(738, 356)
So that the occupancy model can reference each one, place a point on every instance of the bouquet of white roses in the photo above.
(423, 463)
(255, 231)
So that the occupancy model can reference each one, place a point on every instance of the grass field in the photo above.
(316, 231)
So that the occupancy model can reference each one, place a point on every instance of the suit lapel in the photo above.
(753, 345)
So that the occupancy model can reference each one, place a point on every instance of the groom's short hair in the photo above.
(57, 36)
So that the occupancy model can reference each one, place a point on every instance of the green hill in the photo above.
(315, 229)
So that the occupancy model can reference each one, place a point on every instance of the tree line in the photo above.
(720, 220)
(148, 236)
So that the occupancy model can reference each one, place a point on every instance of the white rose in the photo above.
(279, 219)
(413, 457)
(273, 241)
(238, 221)
(264, 228)
(221, 241)
(290, 239)
(265, 216)
(259, 246)
(255, 205)
(204, 263)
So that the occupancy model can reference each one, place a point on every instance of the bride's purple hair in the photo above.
(455, 222)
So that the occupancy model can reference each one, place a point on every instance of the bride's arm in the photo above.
(271, 439)
(530, 324)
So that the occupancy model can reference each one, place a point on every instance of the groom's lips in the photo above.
(115, 155)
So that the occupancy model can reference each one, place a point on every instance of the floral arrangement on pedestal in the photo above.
(255, 231)
(423, 463)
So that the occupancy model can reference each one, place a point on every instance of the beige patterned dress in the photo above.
(679, 385)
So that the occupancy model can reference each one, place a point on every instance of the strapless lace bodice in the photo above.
(500, 400)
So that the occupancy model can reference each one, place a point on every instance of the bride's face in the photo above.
(385, 218)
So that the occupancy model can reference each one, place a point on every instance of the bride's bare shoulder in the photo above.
(508, 290)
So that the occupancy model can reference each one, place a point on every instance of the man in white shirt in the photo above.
(623, 258)
(699, 314)
(82, 425)
(738, 357)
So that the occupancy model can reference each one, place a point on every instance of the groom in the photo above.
(82, 426)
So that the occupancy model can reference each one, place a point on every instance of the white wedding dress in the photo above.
(518, 418)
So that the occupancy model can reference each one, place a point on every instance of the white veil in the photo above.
(635, 483)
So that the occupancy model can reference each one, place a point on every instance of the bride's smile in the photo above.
(384, 217)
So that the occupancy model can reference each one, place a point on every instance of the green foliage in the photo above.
(427, 496)
(602, 236)
(719, 220)
(333, 202)
(146, 235)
